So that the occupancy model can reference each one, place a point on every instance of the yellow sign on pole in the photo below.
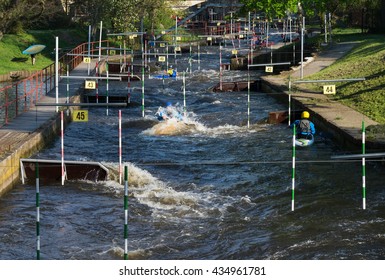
(329, 89)
(209, 39)
(162, 45)
(162, 59)
(269, 69)
(177, 49)
(179, 38)
(90, 85)
(80, 116)
(234, 51)
(120, 37)
(87, 60)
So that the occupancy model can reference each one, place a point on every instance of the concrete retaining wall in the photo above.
(10, 166)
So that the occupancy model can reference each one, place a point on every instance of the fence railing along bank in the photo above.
(20, 96)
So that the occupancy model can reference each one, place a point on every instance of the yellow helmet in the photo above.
(305, 115)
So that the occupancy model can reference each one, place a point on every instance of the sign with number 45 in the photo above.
(80, 116)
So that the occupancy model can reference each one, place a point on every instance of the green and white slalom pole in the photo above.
(293, 172)
(363, 168)
(143, 91)
(126, 213)
(37, 212)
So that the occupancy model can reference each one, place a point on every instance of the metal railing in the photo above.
(22, 95)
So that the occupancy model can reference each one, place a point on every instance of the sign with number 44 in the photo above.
(329, 89)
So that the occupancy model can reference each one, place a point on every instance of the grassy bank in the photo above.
(366, 59)
(11, 47)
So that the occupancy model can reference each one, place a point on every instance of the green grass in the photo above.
(11, 47)
(366, 59)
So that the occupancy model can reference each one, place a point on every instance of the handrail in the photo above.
(20, 96)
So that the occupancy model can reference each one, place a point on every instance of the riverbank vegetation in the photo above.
(365, 60)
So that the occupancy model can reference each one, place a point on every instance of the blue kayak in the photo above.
(34, 49)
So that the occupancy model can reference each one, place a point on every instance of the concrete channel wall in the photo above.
(10, 165)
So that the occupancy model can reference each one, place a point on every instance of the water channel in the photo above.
(210, 188)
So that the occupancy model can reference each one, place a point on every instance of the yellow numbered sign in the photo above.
(269, 69)
(87, 60)
(177, 49)
(179, 38)
(162, 45)
(209, 39)
(90, 85)
(131, 37)
(163, 32)
(329, 89)
(234, 51)
(241, 36)
(162, 59)
(80, 116)
(119, 37)
(112, 52)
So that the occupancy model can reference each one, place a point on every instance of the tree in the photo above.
(17, 14)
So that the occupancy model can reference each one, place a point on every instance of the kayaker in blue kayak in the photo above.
(304, 127)
(171, 72)
(170, 112)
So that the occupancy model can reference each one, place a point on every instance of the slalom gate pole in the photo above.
(120, 146)
(220, 67)
(289, 101)
(190, 59)
(62, 147)
(199, 57)
(97, 82)
(363, 168)
(248, 99)
(107, 87)
(184, 95)
(143, 92)
(293, 172)
(68, 89)
(126, 213)
(132, 63)
(37, 212)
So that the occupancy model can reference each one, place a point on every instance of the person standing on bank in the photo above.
(304, 127)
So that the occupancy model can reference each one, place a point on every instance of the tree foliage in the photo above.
(16, 14)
